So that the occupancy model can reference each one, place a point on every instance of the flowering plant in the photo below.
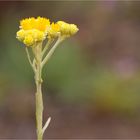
(32, 32)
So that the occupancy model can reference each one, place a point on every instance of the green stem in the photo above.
(39, 99)
(47, 57)
(37, 66)
(47, 46)
(39, 112)
(30, 61)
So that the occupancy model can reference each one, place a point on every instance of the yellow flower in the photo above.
(64, 27)
(67, 29)
(42, 24)
(21, 35)
(73, 29)
(27, 24)
(54, 30)
(28, 41)
(38, 35)
(39, 23)
(33, 30)
(29, 37)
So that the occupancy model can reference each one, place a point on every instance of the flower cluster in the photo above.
(33, 30)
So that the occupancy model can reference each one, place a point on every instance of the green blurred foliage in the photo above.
(67, 72)
(116, 94)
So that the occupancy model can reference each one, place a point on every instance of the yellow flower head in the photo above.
(38, 23)
(67, 29)
(33, 30)
(21, 35)
(73, 29)
(28, 41)
(54, 30)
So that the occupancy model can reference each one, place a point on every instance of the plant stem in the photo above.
(29, 58)
(39, 112)
(47, 57)
(39, 99)
(37, 66)
(47, 46)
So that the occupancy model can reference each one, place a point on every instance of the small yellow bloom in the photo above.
(73, 29)
(64, 27)
(39, 36)
(29, 37)
(28, 41)
(21, 35)
(33, 30)
(67, 29)
(27, 24)
(39, 23)
(36, 34)
(54, 30)
(42, 24)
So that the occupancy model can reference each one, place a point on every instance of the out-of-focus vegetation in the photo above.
(98, 69)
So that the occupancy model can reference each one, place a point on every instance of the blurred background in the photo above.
(91, 84)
